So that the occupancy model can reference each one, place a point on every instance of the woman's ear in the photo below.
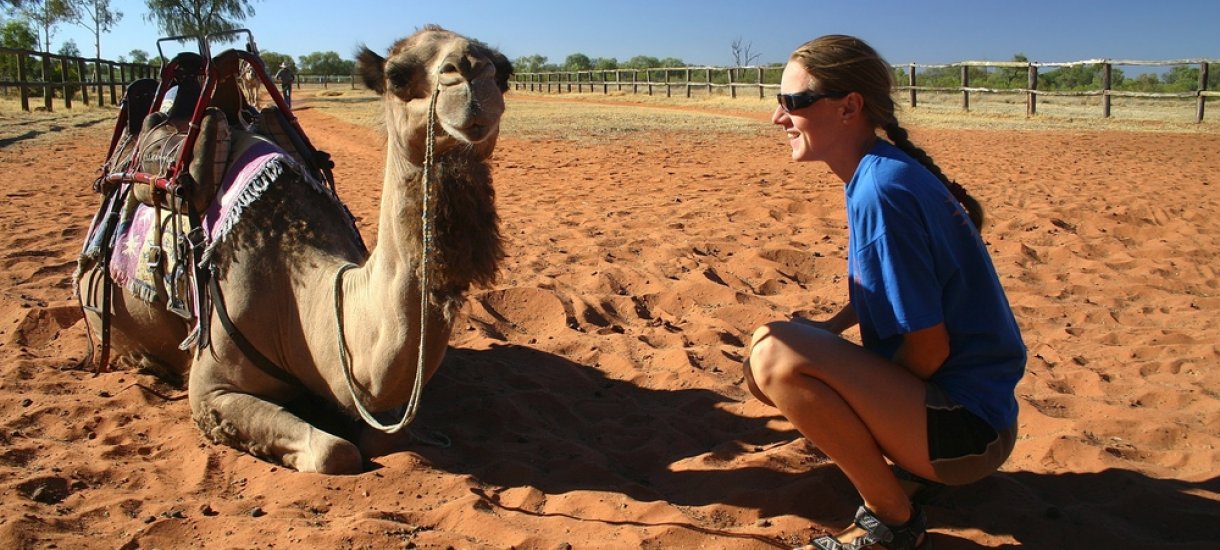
(851, 107)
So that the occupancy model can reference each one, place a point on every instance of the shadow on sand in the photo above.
(522, 417)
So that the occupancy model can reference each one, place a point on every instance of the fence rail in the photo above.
(35, 74)
(758, 80)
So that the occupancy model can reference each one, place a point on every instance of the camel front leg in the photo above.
(267, 430)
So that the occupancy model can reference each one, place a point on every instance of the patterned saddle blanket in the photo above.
(150, 249)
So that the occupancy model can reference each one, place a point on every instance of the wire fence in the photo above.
(756, 80)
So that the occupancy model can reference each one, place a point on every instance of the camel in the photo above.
(298, 285)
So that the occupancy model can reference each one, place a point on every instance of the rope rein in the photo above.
(345, 361)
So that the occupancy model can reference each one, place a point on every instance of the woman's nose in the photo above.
(779, 116)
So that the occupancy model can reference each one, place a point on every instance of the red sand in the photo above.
(594, 396)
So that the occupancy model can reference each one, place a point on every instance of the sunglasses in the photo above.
(792, 102)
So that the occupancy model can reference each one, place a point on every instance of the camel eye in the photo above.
(399, 75)
(449, 69)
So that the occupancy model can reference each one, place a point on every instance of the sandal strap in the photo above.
(901, 537)
(826, 542)
(876, 532)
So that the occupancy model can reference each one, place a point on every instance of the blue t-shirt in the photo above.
(915, 260)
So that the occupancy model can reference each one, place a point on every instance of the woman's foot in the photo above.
(868, 531)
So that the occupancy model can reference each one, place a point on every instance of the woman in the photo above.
(932, 388)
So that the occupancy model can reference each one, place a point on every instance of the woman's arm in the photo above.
(923, 352)
(839, 322)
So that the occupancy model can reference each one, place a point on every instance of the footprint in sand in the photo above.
(526, 310)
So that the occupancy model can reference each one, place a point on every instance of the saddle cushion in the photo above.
(160, 146)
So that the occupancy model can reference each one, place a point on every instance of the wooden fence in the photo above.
(751, 80)
(43, 74)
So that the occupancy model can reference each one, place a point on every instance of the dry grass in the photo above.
(17, 125)
(992, 111)
(601, 117)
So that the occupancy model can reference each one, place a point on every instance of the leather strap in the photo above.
(244, 345)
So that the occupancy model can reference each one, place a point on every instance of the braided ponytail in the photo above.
(898, 135)
(848, 64)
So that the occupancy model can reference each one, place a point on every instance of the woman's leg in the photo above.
(854, 405)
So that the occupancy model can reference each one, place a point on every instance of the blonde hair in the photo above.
(840, 63)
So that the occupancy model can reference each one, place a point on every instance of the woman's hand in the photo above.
(836, 324)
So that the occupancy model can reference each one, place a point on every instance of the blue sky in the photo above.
(701, 32)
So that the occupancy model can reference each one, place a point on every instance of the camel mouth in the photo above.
(473, 132)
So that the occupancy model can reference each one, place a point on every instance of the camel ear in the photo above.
(504, 70)
(372, 69)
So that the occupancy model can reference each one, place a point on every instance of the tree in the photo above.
(138, 56)
(19, 35)
(605, 63)
(671, 63)
(1073, 77)
(197, 18)
(642, 62)
(742, 56)
(325, 63)
(1014, 77)
(577, 62)
(46, 14)
(97, 16)
(273, 60)
(69, 49)
(530, 63)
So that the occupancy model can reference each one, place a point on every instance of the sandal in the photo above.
(918, 489)
(911, 535)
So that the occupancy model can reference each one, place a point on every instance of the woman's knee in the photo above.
(772, 359)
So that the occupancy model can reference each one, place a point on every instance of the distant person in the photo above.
(931, 390)
(286, 78)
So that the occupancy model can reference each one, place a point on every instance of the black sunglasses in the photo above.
(792, 102)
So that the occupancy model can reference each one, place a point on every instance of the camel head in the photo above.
(469, 77)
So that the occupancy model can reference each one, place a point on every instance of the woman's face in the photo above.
(811, 130)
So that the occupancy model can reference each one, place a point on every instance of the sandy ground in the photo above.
(594, 396)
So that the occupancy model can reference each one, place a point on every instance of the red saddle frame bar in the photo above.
(169, 182)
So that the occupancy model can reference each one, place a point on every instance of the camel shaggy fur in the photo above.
(277, 269)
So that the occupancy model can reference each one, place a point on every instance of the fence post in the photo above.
(732, 88)
(760, 83)
(687, 76)
(84, 90)
(114, 100)
(648, 75)
(1202, 88)
(965, 84)
(97, 81)
(1031, 104)
(47, 92)
(911, 84)
(1105, 90)
(635, 87)
(22, 78)
(68, 91)
(668, 91)
(709, 82)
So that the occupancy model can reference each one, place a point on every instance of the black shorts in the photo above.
(963, 448)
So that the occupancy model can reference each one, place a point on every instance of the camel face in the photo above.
(469, 78)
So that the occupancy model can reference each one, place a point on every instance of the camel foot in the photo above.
(326, 454)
